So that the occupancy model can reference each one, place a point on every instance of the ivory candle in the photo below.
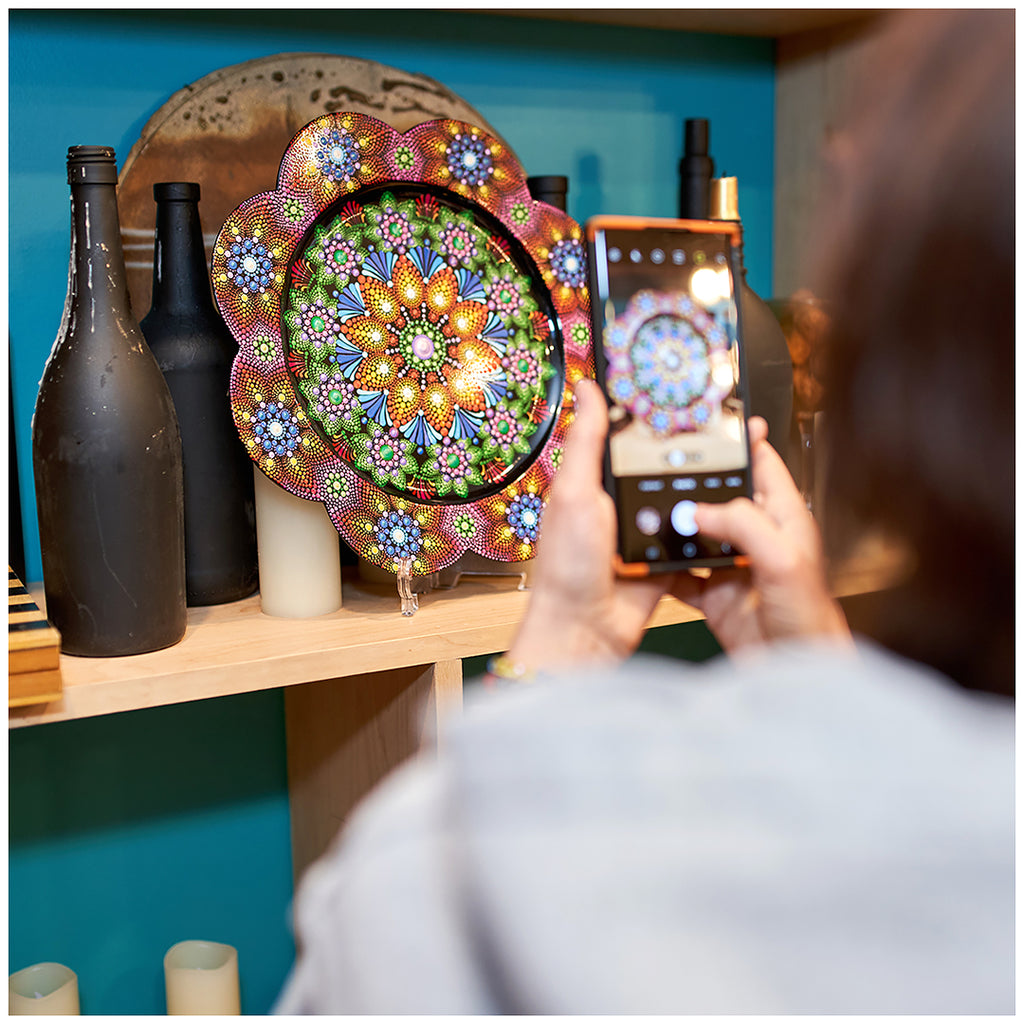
(49, 989)
(201, 978)
(299, 554)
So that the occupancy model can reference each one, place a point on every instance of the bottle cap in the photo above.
(92, 165)
(695, 136)
(724, 199)
(181, 191)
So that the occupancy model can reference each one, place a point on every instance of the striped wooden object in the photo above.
(33, 647)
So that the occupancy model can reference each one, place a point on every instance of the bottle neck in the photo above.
(97, 260)
(181, 282)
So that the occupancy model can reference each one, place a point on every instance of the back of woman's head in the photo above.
(918, 266)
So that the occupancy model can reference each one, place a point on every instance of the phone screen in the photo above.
(667, 330)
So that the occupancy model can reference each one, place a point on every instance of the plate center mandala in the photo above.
(671, 360)
(423, 349)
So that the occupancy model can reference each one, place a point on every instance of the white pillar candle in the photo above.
(49, 989)
(201, 978)
(299, 554)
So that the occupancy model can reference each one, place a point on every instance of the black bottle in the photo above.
(195, 349)
(106, 449)
(549, 188)
(695, 170)
(769, 364)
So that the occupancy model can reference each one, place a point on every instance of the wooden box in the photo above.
(33, 647)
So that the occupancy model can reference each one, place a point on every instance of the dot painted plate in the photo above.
(410, 327)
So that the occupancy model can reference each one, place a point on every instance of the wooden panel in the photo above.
(813, 75)
(446, 695)
(345, 735)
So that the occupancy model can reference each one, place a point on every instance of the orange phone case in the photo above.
(604, 222)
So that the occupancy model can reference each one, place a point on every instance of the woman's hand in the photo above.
(580, 612)
(783, 593)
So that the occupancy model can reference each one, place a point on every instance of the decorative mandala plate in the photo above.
(410, 327)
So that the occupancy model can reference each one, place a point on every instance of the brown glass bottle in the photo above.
(106, 449)
(195, 350)
(769, 366)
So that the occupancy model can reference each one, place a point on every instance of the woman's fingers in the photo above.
(748, 528)
(774, 486)
(582, 462)
(757, 429)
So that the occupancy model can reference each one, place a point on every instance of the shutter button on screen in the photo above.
(684, 520)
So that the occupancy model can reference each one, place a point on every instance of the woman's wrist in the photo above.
(502, 669)
(553, 638)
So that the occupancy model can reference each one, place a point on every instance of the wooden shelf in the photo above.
(235, 648)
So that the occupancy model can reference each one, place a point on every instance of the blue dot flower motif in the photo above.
(661, 421)
(277, 429)
(337, 155)
(469, 159)
(569, 262)
(622, 389)
(398, 535)
(524, 512)
(250, 265)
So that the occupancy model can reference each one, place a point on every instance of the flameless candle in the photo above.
(299, 554)
(201, 978)
(48, 989)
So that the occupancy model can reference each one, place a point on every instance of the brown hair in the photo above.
(919, 269)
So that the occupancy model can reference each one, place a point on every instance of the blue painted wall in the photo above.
(118, 845)
(131, 832)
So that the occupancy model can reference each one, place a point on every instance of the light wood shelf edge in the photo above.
(232, 649)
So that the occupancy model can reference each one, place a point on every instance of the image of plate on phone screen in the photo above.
(672, 380)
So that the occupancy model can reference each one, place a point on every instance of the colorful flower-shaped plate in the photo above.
(410, 327)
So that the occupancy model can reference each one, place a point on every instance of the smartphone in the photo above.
(669, 356)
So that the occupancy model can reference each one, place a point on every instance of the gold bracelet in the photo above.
(502, 669)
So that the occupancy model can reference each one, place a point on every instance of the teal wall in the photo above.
(131, 832)
(118, 849)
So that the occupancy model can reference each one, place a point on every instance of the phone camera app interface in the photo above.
(671, 368)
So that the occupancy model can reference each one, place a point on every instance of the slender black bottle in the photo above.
(194, 349)
(695, 170)
(106, 449)
(552, 189)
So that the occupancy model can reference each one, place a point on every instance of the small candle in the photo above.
(49, 989)
(299, 554)
(201, 978)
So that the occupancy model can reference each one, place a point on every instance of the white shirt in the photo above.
(808, 832)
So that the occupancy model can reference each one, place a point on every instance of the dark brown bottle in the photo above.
(549, 188)
(769, 365)
(106, 449)
(195, 349)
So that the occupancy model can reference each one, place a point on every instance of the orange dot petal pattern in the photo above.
(410, 325)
